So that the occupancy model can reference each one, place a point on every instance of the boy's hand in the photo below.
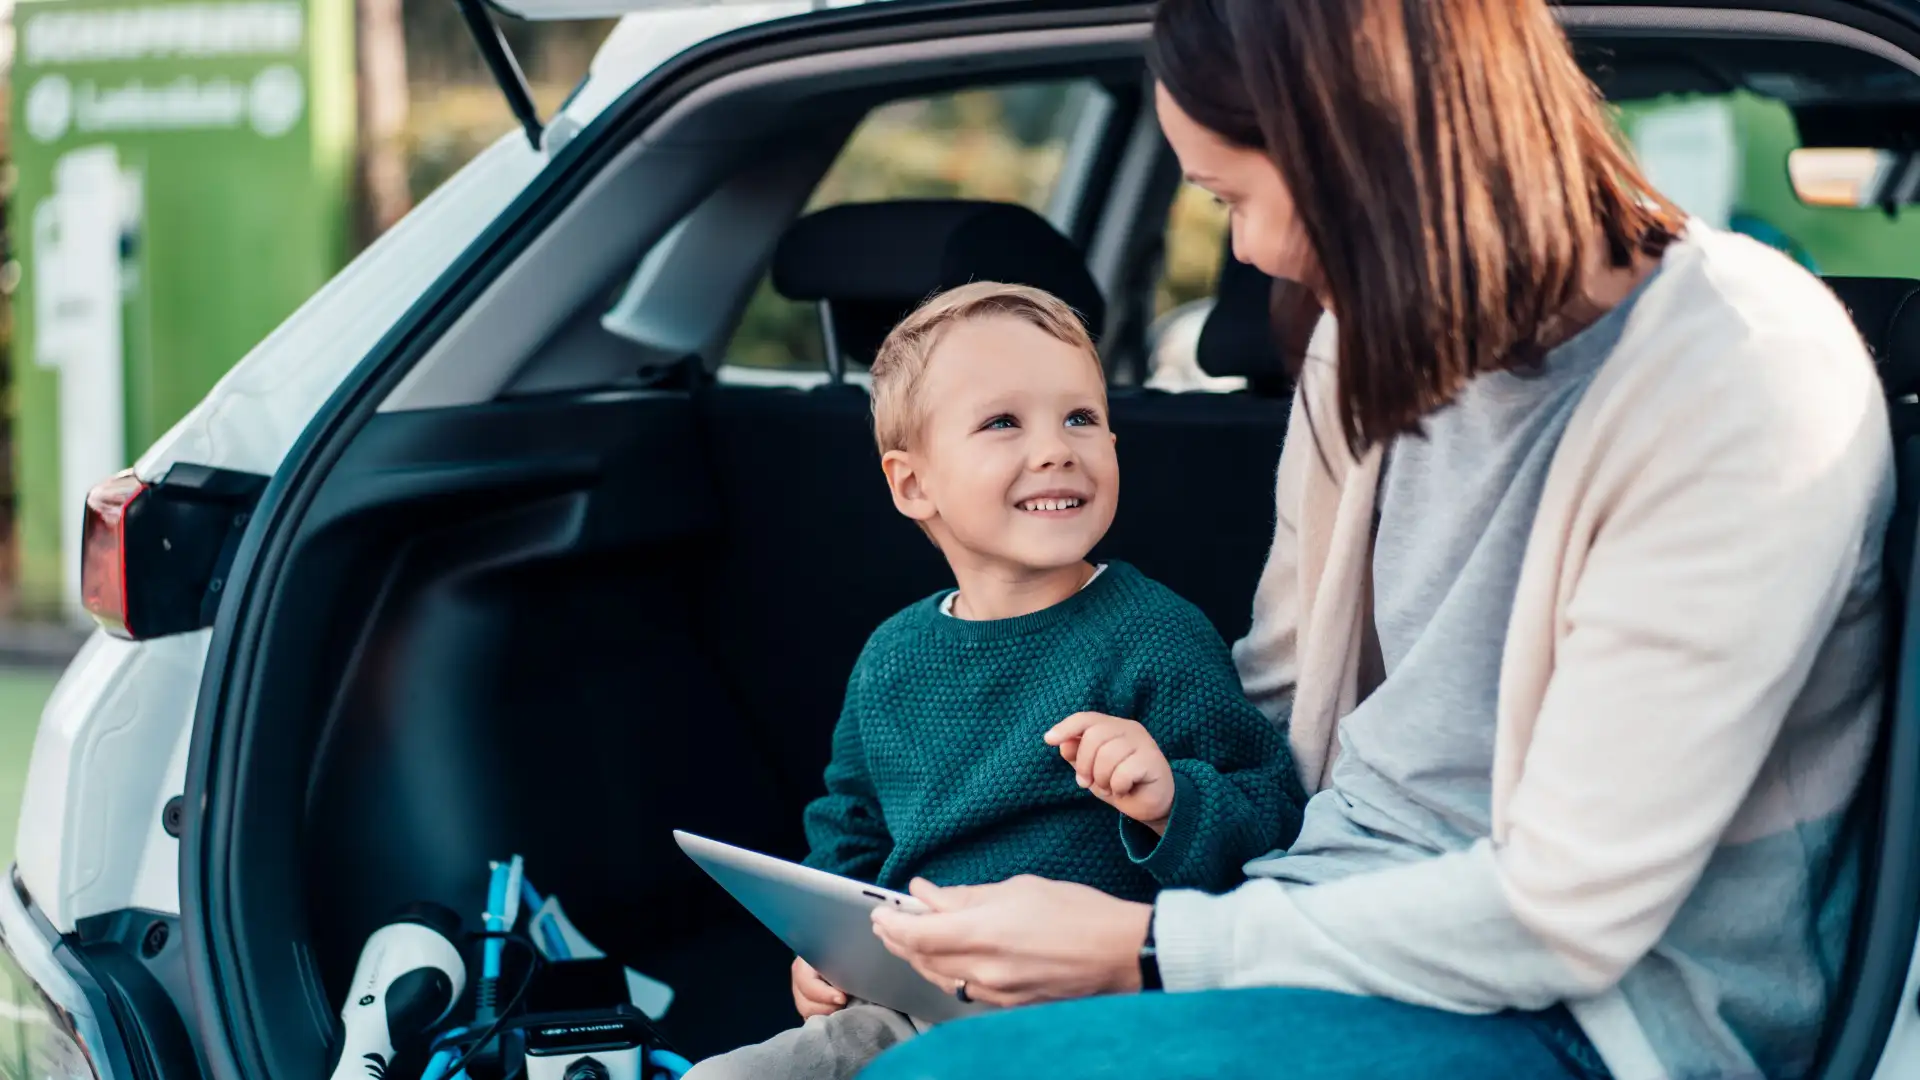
(1120, 763)
(813, 995)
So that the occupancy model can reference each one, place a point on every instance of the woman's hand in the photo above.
(1119, 762)
(1020, 941)
(813, 995)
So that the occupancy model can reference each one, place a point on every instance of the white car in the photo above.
(490, 548)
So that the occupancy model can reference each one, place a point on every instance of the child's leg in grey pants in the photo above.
(831, 1047)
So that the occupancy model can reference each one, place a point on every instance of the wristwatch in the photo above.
(1149, 962)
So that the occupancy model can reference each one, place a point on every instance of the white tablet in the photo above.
(826, 919)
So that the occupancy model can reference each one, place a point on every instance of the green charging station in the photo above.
(182, 182)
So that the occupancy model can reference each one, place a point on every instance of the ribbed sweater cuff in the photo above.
(1164, 855)
(1193, 939)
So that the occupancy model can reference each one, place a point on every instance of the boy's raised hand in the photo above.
(813, 995)
(1120, 763)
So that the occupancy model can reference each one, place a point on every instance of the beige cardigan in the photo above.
(1714, 501)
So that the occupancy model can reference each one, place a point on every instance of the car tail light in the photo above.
(154, 555)
(103, 558)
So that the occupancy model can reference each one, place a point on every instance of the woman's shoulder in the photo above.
(1736, 356)
(1727, 295)
(1736, 331)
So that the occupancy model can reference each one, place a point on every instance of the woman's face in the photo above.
(1266, 230)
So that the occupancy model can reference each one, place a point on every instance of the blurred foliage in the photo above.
(450, 124)
(440, 50)
(9, 277)
(1196, 235)
(455, 110)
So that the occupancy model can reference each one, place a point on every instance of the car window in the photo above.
(1004, 143)
(1724, 159)
(1195, 243)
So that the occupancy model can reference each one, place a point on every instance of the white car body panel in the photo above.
(113, 739)
(110, 752)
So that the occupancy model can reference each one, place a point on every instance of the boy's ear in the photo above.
(903, 479)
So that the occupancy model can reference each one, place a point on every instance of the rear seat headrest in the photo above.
(1243, 337)
(1887, 311)
(875, 262)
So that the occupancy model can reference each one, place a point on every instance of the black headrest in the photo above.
(1251, 332)
(875, 262)
(1887, 311)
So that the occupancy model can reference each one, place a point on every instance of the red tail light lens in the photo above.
(103, 559)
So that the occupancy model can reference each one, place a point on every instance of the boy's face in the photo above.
(1014, 468)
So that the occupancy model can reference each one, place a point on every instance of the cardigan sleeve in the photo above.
(1267, 659)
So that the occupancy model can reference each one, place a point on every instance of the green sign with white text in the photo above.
(182, 183)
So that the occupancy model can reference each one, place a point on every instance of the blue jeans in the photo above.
(1269, 1034)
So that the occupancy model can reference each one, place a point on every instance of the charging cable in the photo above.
(445, 1062)
(675, 1065)
(503, 910)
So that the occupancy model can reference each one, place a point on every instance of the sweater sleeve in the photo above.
(1765, 487)
(1236, 796)
(846, 832)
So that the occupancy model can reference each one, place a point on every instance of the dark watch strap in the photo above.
(1149, 962)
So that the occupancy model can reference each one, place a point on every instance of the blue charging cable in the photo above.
(507, 891)
(671, 1063)
(444, 1057)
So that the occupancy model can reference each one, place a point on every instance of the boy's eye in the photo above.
(1002, 422)
(1082, 418)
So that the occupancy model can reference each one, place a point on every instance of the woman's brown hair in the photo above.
(1452, 167)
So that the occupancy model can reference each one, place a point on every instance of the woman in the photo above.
(1578, 546)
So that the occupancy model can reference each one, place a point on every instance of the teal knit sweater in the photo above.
(939, 769)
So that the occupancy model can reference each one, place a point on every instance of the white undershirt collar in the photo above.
(946, 605)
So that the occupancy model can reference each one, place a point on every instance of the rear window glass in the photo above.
(1724, 159)
(1004, 143)
(1195, 244)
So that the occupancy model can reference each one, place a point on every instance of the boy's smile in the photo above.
(1014, 473)
(1056, 503)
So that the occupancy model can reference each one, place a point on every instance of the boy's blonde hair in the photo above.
(901, 364)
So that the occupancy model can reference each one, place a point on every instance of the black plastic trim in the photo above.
(117, 1027)
(136, 959)
(1129, 99)
(180, 536)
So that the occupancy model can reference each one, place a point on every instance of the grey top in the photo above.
(1414, 773)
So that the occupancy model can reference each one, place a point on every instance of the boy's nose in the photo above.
(1053, 453)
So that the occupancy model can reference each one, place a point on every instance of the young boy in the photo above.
(1047, 717)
